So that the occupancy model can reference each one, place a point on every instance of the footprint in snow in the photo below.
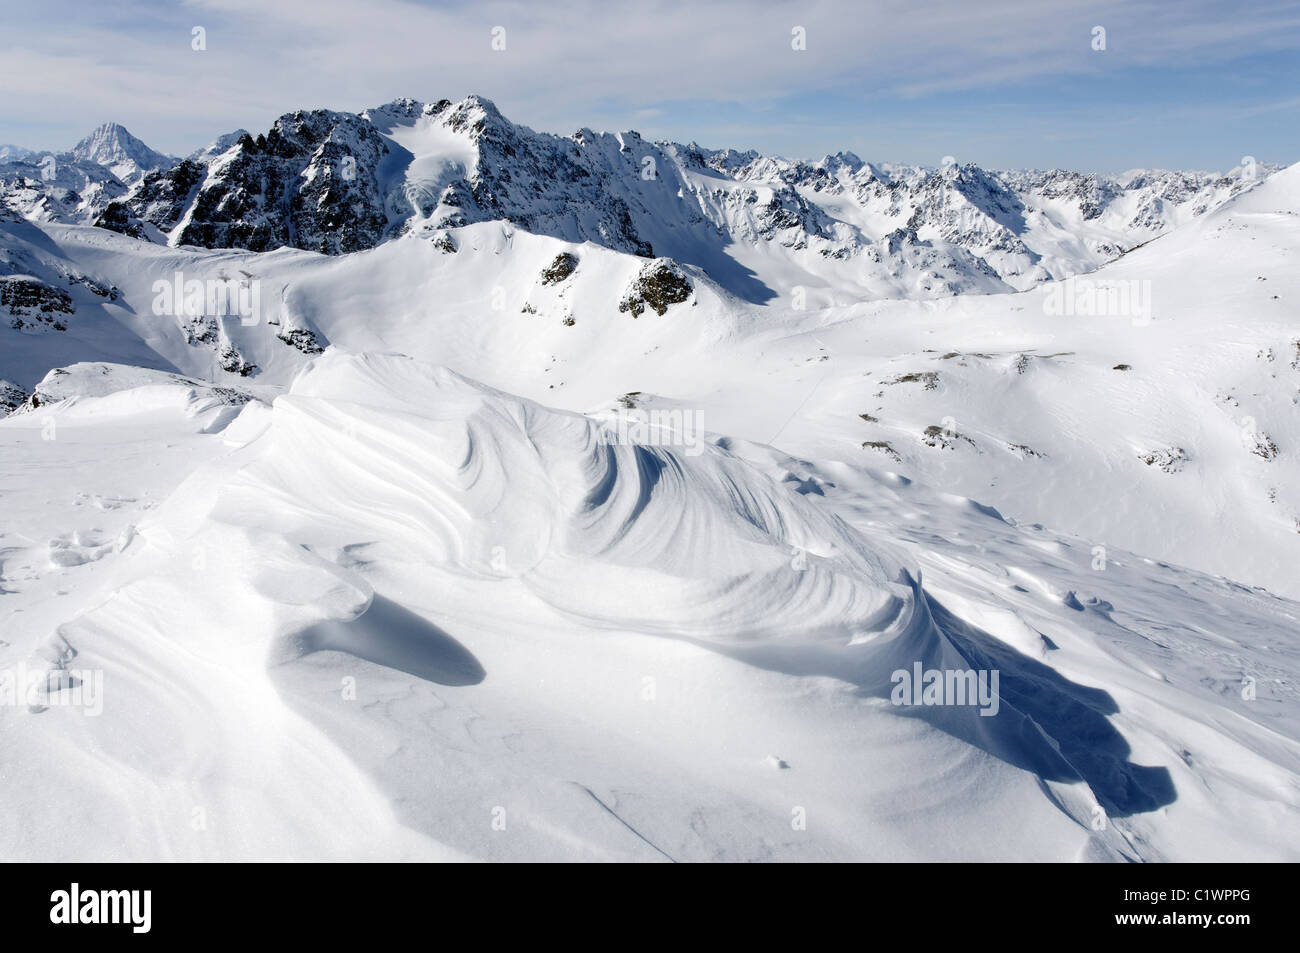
(77, 549)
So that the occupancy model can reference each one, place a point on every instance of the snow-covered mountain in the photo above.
(113, 147)
(816, 232)
(45, 187)
(496, 499)
(515, 309)
(75, 186)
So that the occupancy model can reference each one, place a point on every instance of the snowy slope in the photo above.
(440, 621)
(45, 187)
(1050, 418)
(505, 539)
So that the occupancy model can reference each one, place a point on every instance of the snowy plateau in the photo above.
(412, 485)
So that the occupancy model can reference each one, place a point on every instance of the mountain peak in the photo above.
(477, 114)
(106, 136)
(482, 102)
(111, 145)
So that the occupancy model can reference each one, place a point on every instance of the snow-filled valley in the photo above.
(518, 506)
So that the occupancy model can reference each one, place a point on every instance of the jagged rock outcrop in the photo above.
(28, 303)
(658, 285)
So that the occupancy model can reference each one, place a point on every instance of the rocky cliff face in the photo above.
(310, 182)
(31, 304)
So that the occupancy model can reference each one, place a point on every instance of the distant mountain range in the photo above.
(818, 232)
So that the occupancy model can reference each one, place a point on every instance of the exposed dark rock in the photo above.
(32, 304)
(563, 266)
(659, 285)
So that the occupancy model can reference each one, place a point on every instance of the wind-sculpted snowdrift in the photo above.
(439, 470)
(562, 646)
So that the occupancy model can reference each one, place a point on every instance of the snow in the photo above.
(113, 147)
(764, 227)
(507, 573)
(434, 157)
(600, 641)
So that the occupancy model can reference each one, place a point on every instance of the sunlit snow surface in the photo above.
(370, 604)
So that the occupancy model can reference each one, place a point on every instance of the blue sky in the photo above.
(1190, 84)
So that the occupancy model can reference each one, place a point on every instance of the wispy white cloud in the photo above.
(66, 66)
